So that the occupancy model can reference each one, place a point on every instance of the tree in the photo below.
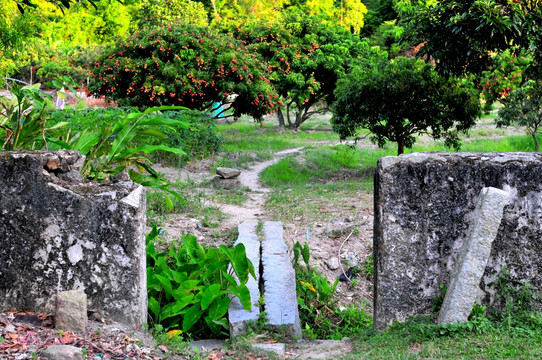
(187, 66)
(306, 57)
(462, 36)
(164, 12)
(395, 100)
(506, 74)
(524, 107)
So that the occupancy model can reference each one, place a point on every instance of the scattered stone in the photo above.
(340, 231)
(351, 258)
(208, 344)
(228, 184)
(332, 263)
(63, 352)
(227, 173)
(10, 329)
(277, 348)
(71, 311)
(472, 259)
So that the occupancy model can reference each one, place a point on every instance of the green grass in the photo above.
(496, 344)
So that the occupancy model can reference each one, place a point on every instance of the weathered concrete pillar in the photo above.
(237, 315)
(474, 255)
(424, 203)
(58, 234)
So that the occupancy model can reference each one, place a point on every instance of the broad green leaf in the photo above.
(209, 295)
(149, 149)
(219, 308)
(86, 141)
(191, 316)
(157, 134)
(169, 203)
(163, 108)
(159, 120)
(122, 139)
(58, 125)
(239, 261)
(305, 252)
(155, 308)
(194, 250)
(166, 284)
(176, 308)
(190, 284)
(243, 294)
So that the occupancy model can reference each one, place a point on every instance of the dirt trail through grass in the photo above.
(253, 207)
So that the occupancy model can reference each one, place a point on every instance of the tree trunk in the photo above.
(400, 146)
(533, 134)
(213, 4)
(280, 116)
(288, 116)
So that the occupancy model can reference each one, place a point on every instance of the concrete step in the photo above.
(237, 315)
(279, 282)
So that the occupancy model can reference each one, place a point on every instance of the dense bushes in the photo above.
(187, 66)
(199, 138)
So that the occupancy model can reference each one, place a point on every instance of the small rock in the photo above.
(277, 348)
(227, 173)
(9, 329)
(71, 311)
(228, 184)
(332, 263)
(351, 258)
(63, 352)
(340, 231)
(208, 344)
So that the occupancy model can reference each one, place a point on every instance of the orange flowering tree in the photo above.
(187, 66)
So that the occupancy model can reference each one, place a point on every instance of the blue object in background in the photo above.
(217, 108)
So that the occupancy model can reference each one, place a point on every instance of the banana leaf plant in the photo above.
(118, 147)
(23, 118)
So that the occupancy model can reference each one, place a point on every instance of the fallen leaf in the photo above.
(13, 336)
(270, 341)
(67, 339)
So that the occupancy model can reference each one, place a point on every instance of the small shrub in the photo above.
(188, 286)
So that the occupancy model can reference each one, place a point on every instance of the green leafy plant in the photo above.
(23, 118)
(188, 286)
(315, 294)
(112, 149)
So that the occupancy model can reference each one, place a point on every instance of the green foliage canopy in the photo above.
(184, 65)
(306, 56)
(395, 100)
(461, 36)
